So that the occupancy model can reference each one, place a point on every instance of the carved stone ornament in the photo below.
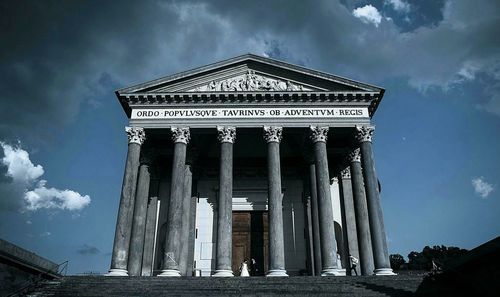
(250, 82)
(354, 156)
(365, 133)
(135, 135)
(226, 134)
(319, 133)
(273, 133)
(346, 173)
(180, 134)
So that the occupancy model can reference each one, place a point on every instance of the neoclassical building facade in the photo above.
(250, 159)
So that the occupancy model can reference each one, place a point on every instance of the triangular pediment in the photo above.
(250, 73)
(248, 82)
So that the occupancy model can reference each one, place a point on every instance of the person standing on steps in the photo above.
(253, 267)
(354, 262)
(244, 269)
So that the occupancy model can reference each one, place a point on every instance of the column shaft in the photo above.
(315, 220)
(377, 229)
(192, 232)
(342, 244)
(186, 212)
(362, 224)
(172, 250)
(119, 257)
(139, 223)
(350, 220)
(275, 204)
(325, 211)
(225, 204)
(310, 244)
(149, 238)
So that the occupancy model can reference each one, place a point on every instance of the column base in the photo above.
(223, 273)
(170, 273)
(117, 272)
(384, 271)
(276, 273)
(333, 272)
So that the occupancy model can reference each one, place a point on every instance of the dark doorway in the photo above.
(250, 241)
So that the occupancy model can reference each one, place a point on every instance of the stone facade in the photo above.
(250, 159)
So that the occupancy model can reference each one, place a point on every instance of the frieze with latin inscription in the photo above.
(250, 113)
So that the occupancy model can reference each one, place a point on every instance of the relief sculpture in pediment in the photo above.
(250, 81)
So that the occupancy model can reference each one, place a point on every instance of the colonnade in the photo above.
(361, 209)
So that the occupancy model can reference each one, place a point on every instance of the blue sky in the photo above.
(436, 143)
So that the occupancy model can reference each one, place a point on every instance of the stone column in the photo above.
(149, 238)
(377, 229)
(310, 244)
(349, 218)
(119, 257)
(275, 203)
(315, 220)
(171, 254)
(361, 213)
(341, 237)
(325, 212)
(139, 222)
(227, 136)
(186, 214)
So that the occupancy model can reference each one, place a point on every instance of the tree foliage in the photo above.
(397, 261)
(440, 254)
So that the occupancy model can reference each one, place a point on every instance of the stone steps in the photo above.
(252, 286)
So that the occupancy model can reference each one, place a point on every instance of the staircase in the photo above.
(401, 285)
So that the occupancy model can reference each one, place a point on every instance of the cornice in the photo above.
(128, 100)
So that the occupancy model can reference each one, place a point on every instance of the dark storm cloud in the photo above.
(62, 55)
(88, 250)
(452, 46)
(55, 54)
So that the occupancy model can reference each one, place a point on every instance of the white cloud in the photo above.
(481, 187)
(42, 197)
(398, 5)
(20, 167)
(25, 186)
(368, 14)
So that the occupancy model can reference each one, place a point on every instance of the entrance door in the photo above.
(250, 241)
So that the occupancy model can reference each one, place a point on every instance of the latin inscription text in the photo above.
(216, 113)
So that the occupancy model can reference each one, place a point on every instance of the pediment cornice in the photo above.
(250, 79)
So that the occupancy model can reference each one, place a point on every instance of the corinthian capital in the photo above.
(354, 156)
(364, 133)
(180, 134)
(318, 133)
(273, 133)
(346, 173)
(135, 135)
(226, 134)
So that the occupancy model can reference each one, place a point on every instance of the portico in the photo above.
(256, 135)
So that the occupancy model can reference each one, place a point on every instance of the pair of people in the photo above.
(244, 271)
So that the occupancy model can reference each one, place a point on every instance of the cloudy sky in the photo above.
(62, 141)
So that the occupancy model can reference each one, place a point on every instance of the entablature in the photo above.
(371, 99)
